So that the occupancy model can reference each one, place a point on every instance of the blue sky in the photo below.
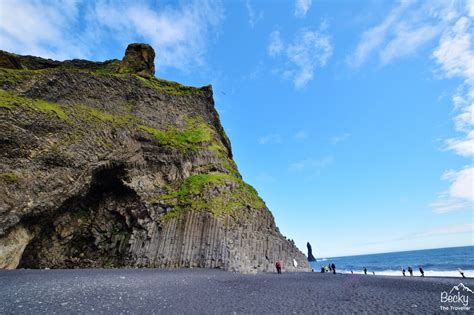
(353, 119)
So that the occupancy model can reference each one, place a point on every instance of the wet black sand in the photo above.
(202, 291)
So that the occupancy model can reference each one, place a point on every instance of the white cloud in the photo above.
(40, 28)
(454, 53)
(375, 37)
(254, 17)
(409, 26)
(265, 178)
(275, 45)
(455, 57)
(463, 147)
(73, 29)
(406, 41)
(451, 229)
(272, 138)
(301, 135)
(302, 7)
(310, 165)
(340, 138)
(309, 50)
(178, 34)
(460, 194)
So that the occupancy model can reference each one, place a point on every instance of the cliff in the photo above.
(104, 165)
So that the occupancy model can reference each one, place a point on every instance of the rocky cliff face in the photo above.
(104, 165)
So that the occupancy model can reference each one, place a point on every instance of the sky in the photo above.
(352, 119)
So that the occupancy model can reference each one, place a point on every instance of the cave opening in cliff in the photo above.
(89, 230)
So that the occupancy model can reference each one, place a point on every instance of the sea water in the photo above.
(440, 262)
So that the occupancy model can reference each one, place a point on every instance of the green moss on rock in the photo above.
(9, 177)
(10, 100)
(218, 193)
(171, 87)
(193, 137)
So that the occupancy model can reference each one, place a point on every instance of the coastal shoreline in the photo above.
(215, 291)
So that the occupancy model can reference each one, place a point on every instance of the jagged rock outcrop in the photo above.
(100, 168)
(139, 59)
(310, 252)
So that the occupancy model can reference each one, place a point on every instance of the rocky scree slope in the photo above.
(104, 165)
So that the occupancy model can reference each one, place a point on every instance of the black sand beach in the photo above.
(191, 291)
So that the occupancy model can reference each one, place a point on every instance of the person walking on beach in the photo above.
(333, 266)
(410, 271)
(365, 270)
(403, 272)
(329, 267)
(278, 266)
(422, 272)
(462, 273)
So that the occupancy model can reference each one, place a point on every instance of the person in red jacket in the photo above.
(278, 266)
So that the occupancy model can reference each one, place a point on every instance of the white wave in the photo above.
(416, 273)
(321, 259)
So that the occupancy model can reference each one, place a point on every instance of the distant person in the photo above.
(403, 272)
(410, 271)
(333, 266)
(329, 267)
(365, 270)
(322, 269)
(352, 272)
(326, 269)
(462, 273)
(278, 266)
(373, 272)
(422, 272)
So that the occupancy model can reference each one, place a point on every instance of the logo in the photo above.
(457, 299)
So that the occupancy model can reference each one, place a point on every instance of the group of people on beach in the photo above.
(410, 271)
(329, 268)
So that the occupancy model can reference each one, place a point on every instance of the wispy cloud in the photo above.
(179, 34)
(302, 7)
(340, 138)
(254, 17)
(409, 26)
(265, 178)
(458, 228)
(275, 44)
(40, 28)
(463, 146)
(454, 56)
(301, 135)
(311, 166)
(271, 138)
(74, 29)
(460, 194)
(310, 49)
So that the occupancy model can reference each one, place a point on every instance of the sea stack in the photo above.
(139, 59)
(104, 165)
(310, 252)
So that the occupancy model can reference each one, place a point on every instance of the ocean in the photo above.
(440, 262)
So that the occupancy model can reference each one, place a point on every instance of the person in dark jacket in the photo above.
(333, 266)
(278, 266)
(365, 270)
(410, 270)
(422, 272)
(403, 271)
